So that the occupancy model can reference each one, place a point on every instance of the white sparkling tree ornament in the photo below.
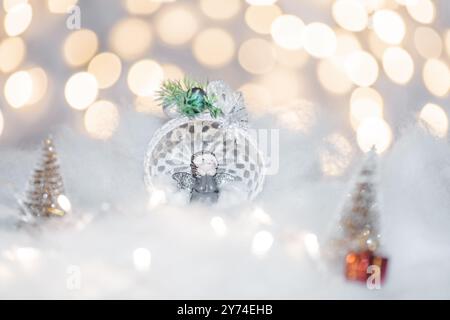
(45, 196)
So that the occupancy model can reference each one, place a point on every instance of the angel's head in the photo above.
(204, 163)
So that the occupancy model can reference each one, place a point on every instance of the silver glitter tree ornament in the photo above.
(356, 243)
(45, 196)
(204, 147)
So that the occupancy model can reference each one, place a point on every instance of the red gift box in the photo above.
(359, 266)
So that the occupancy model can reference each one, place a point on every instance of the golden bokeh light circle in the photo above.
(434, 118)
(81, 90)
(365, 103)
(436, 76)
(260, 18)
(287, 31)
(80, 46)
(176, 25)
(374, 132)
(39, 81)
(18, 89)
(2, 122)
(12, 53)
(398, 65)
(335, 155)
(101, 119)
(362, 68)
(106, 67)
(145, 77)
(141, 7)
(257, 56)
(60, 6)
(130, 38)
(214, 47)
(350, 15)
(428, 42)
(332, 76)
(219, 9)
(319, 40)
(423, 11)
(18, 19)
(389, 26)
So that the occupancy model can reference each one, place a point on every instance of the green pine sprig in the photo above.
(189, 101)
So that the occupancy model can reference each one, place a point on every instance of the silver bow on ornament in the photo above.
(190, 95)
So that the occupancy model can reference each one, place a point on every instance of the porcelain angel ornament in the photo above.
(205, 150)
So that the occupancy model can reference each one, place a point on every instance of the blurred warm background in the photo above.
(373, 66)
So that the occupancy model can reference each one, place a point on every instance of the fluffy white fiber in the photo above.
(193, 256)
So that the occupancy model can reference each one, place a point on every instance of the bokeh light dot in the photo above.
(447, 42)
(283, 83)
(319, 40)
(333, 77)
(350, 14)
(60, 6)
(148, 105)
(365, 103)
(423, 11)
(389, 26)
(143, 7)
(80, 46)
(172, 72)
(362, 68)
(12, 53)
(436, 76)
(262, 242)
(130, 38)
(376, 45)
(374, 132)
(261, 2)
(373, 5)
(214, 47)
(257, 98)
(291, 58)
(434, 118)
(9, 4)
(145, 77)
(177, 25)
(81, 90)
(287, 31)
(39, 81)
(101, 120)
(260, 18)
(428, 42)
(219, 226)
(18, 19)
(2, 122)
(18, 89)
(335, 156)
(106, 67)
(219, 9)
(398, 65)
(142, 259)
(346, 44)
(257, 56)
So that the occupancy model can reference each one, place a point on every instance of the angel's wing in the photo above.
(223, 178)
(185, 180)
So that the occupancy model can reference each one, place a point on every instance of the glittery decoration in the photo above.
(357, 266)
(45, 196)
